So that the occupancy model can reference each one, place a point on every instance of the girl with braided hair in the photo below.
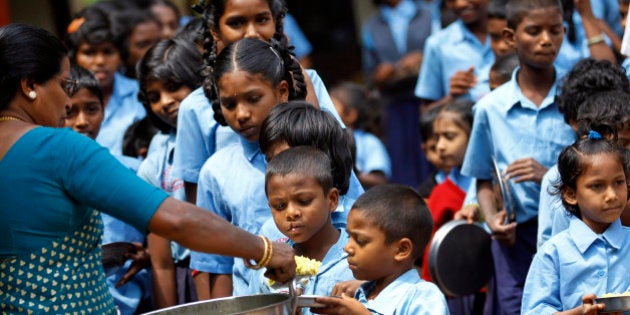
(248, 79)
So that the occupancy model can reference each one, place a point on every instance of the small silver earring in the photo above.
(32, 95)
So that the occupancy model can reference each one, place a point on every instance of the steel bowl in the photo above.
(619, 303)
(261, 304)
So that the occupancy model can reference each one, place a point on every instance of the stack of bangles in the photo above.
(266, 258)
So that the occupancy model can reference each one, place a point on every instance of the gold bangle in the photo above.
(595, 40)
(266, 257)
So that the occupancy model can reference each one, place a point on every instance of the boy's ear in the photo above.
(333, 199)
(283, 91)
(404, 249)
(508, 37)
(569, 196)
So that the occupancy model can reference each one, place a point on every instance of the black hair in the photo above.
(426, 122)
(496, 9)
(588, 76)
(212, 11)
(516, 10)
(366, 103)
(174, 61)
(27, 52)
(607, 112)
(300, 123)
(306, 161)
(95, 25)
(128, 20)
(272, 61)
(462, 107)
(193, 31)
(571, 165)
(504, 66)
(138, 137)
(86, 80)
(398, 211)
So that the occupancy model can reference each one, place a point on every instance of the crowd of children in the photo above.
(360, 179)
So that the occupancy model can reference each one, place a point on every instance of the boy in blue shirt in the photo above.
(299, 186)
(519, 126)
(457, 59)
(389, 227)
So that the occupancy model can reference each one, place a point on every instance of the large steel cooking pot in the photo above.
(261, 304)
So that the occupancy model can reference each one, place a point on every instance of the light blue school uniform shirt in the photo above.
(508, 127)
(408, 294)
(334, 269)
(156, 169)
(453, 49)
(550, 209)
(371, 154)
(296, 37)
(576, 262)
(122, 110)
(198, 136)
(398, 18)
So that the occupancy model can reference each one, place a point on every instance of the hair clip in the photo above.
(594, 135)
(75, 24)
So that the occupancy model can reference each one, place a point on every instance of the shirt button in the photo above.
(601, 273)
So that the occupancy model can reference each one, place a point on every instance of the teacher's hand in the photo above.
(282, 266)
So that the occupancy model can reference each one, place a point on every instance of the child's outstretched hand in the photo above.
(141, 260)
(346, 287)
(340, 306)
(526, 169)
(470, 213)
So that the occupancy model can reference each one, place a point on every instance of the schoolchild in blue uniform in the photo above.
(360, 112)
(592, 256)
(584, 37)
(519, 126)
(198, 136)
(168, 73)
(393, 40)
(299, 184)
(462, 48)
(299, 123)
(389, 227)
(231, 181)
(96, 46)
(587, 77)
(128, 288)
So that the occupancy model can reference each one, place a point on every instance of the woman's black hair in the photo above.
(86, 80)
(95, 25)
(273, 61)
(174, 61)
(27, 52)
(607, 112)
(462, 107)
(589, 76)
(300, 123)
(571, 165)
(367, 104)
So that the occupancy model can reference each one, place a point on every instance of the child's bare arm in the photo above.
(343, 306)
(504, 233)
(598, 48)
(526, 169)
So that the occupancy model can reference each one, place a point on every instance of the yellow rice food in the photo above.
(609, 295)
(305, 267)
